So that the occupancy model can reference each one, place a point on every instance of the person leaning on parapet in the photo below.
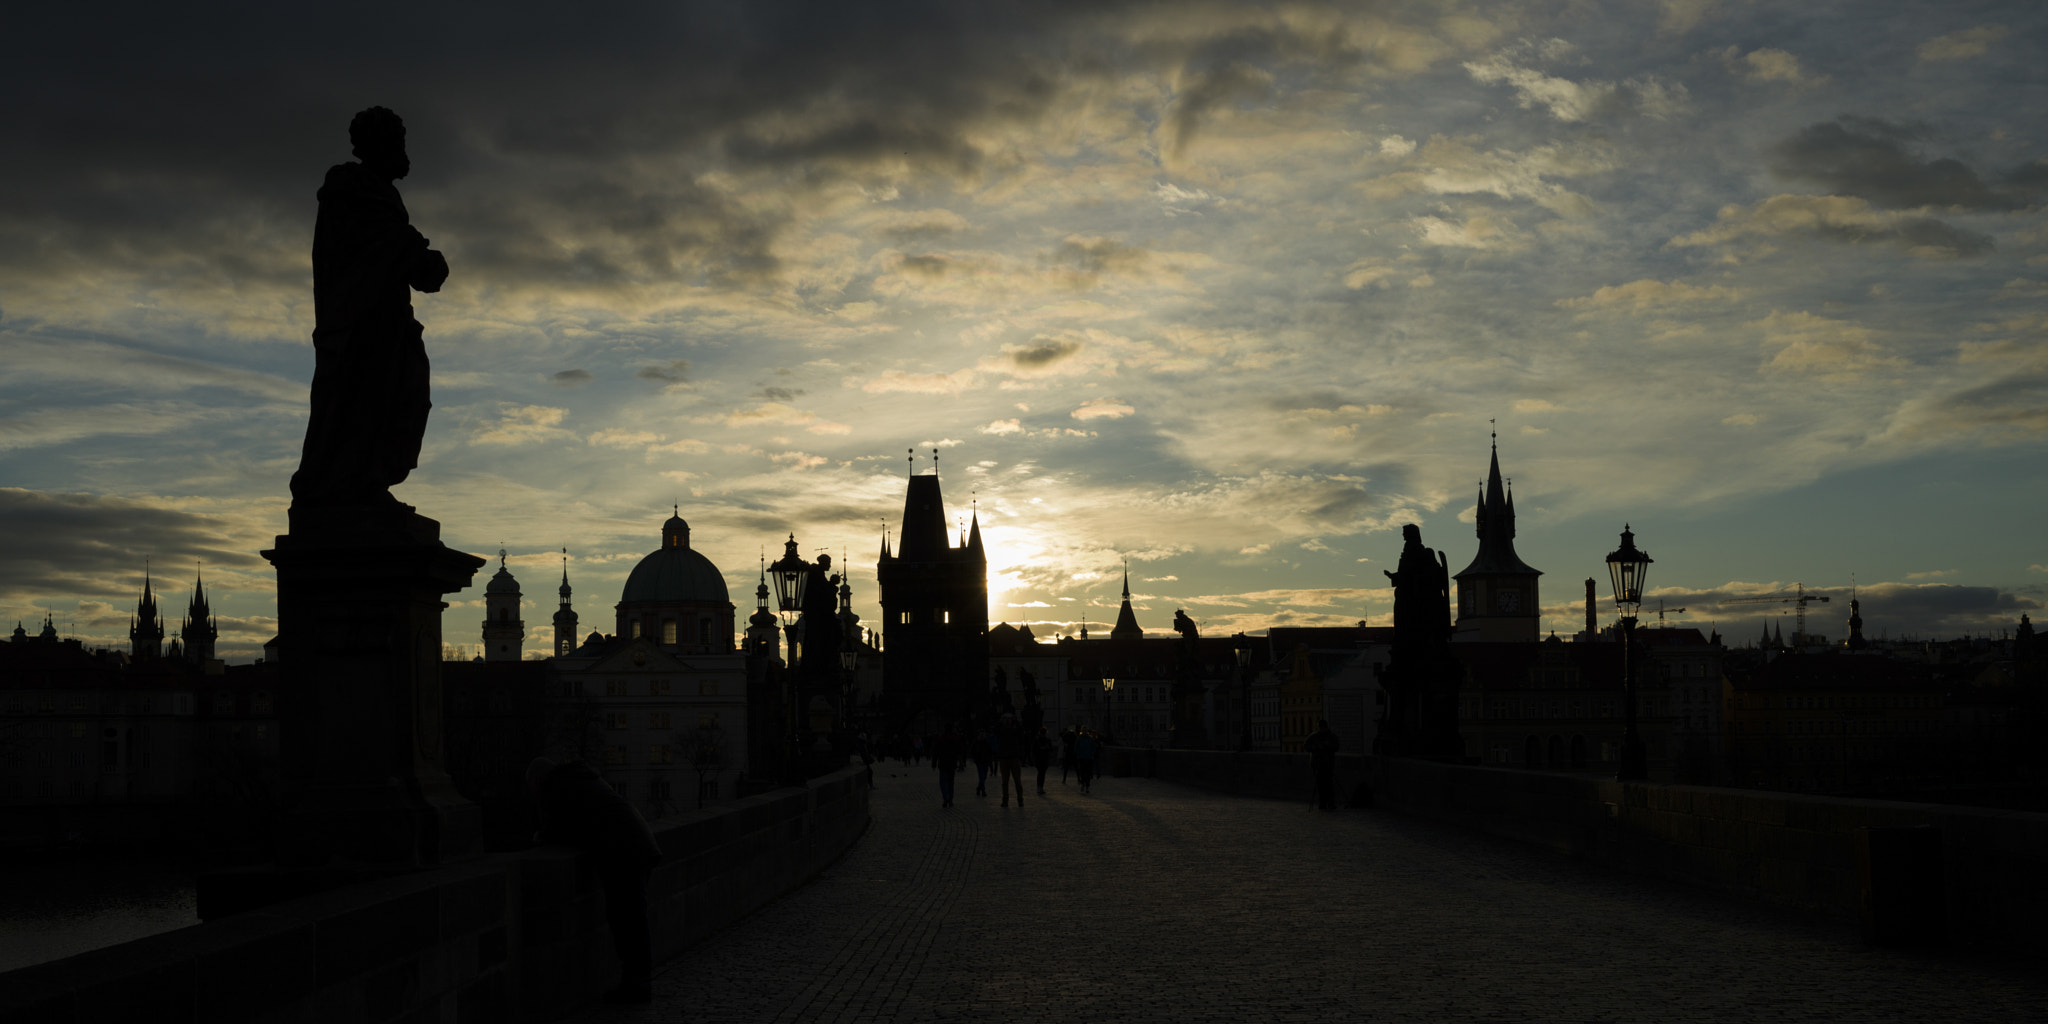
(578, 809)
(1322, 756)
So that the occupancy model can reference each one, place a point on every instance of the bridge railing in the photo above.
(506, 937)
(1906, 871)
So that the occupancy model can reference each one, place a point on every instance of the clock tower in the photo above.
(1497, 595)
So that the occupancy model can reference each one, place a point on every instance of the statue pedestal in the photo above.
(359, 698)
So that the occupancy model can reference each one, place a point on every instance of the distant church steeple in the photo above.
(1127, 627)
(198, 631)
(1856, 641)
(146, 627)
(565, 616)
(1497, 594)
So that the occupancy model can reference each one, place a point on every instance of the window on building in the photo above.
(615, 755)
(707, 719)
(658, 720)
(658, 688)
(263, 730)
(668, 631)
(615, 688)
(707, 687)
(633, 631)
(616, 720)
(259, 705)
(703, 631)
(78, 730)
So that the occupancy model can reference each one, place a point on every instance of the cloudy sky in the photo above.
(1228, 292)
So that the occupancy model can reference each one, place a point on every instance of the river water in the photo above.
(49, 911)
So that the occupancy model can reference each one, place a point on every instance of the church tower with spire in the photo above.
(146, 627)
(198, 631)
(504, 630)
(1127, 627)
(934, 598)
(1497, 595)
(565, 616)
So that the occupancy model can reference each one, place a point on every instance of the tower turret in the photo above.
(504, 630)
(1497, 593)
(934, 597)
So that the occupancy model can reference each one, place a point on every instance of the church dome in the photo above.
(502, 583)
(675, 572)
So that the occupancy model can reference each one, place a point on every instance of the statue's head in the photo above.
(1411, 534)
(378, 138)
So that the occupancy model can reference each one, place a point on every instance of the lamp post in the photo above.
(791, 574)
(1241, 647)
(1108, 694)
(1629, 566)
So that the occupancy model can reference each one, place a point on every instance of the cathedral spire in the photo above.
(565, 616)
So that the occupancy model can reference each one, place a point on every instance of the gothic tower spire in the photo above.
(198, 630)
(1497, 593)
(565, 616)
(146, 629)
(1127, 627)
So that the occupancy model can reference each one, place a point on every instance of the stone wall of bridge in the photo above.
(508, 937)
(1986, 885)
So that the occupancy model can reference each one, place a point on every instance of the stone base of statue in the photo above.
(359, 697)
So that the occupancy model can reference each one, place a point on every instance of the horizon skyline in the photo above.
(1228, 292)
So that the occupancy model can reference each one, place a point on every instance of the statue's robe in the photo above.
(370, 360)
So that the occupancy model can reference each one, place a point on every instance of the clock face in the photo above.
(1508, 600)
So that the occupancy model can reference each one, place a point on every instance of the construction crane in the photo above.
(1661, 610)
(1798, 597)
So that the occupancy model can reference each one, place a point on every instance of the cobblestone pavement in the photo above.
(1152, 902)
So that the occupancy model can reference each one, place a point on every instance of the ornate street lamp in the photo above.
(792, 575)
(1629, 566)
(1241, 646)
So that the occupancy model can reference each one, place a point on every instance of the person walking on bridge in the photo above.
(1041, 756)
(1322, 756)
(1010, 757)
(1085, 747)
(983, 752)
(948, 750)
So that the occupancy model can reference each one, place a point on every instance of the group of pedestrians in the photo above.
(1007, 747)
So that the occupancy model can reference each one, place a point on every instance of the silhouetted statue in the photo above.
(1421, 677)
(1422, 588)
(1187, 685)
(370, 362)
